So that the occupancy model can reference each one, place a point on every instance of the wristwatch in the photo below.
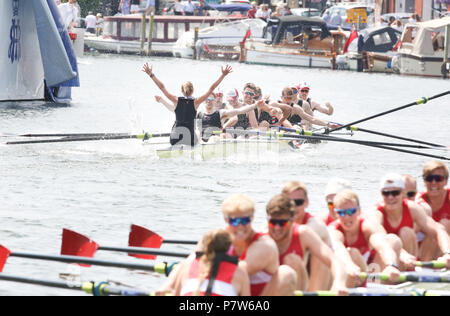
(394, 265)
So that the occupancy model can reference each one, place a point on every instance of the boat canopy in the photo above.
(427, 33)
(378, 39)
(232, 7)
(280, 26)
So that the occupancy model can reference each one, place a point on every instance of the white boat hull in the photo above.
(285, 58)
(128, 47)
(414, 65)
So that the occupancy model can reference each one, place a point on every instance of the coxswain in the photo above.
(294, 241)
(320, 274)
(360, 243)
(210, 271)
(400, 216)
(257, 251)
(185, 107)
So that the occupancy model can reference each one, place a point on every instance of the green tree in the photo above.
(105, 7)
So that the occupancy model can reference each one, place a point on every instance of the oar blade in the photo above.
(75, 244)
(143, 237)
(4, 254)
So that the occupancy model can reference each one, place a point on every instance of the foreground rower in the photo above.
(294, 241)
(400, 216)
(185, 107)
(209, 272)
(257, 250)
(360, 242)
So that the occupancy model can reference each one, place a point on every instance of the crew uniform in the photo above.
(295, 246)
(444, 211)
(183, 130)
(218, 282)
(210, 123)
(407, 220)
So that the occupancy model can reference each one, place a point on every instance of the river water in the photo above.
(100, 188)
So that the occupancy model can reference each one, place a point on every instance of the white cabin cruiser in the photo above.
(37, 60)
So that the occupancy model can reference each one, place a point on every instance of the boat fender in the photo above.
(73, 36)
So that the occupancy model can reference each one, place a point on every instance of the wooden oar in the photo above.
(423, 100)
(94, 288)
(162, 267)
(144, 136)
(75, 244)
(410, 276)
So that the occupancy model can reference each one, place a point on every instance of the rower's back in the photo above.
(185, 114)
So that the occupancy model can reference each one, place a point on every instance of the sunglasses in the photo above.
(304, 91)
(349, 212)
(330, 205)
(294, 90)
(394, 193)
(435, 177)
(249, 93)
(280, 222)
(235, 221)
(411, 194)
(299, 202)
(210, 99)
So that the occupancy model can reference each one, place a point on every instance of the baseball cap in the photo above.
(392, 180)
(304, 85)
(232, 94)
(335, 185)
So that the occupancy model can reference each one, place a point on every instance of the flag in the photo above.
(249, 32)
(207, 48)
(397, 45)
(353, 35)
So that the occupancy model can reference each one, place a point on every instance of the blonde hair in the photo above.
(280, 204)
(187, 88)
(215, 241)
(346, 195)
(433, 165)
(293, 186)
(238, 203)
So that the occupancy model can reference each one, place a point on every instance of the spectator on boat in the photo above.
(287, 10)
(135, 6)
(91, 23)
(263, 12)
(185, 107)
(189, 8)
(391, 21)
(251, 14)
(414, 18)
(178, 8)
(277, 12)
(69, 13)
(99, 26)
(124, 7)
(397, 25)
(210, 271)
(200, 9)
(336, 19)
(326, 16)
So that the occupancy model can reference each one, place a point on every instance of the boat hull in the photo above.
(286, 58)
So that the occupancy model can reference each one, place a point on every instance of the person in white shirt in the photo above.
(91, 22)
(189, 8)
(264, 12)
(69, 13)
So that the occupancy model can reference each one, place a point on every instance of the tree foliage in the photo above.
(105, 7)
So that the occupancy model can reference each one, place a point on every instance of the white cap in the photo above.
(304, 85)
(232, 94)
(392, 180)
(335, 185)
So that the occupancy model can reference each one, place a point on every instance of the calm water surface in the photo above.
(100, 188)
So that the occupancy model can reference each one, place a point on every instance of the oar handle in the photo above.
(431, 264)
(178, 241)
(411, 277)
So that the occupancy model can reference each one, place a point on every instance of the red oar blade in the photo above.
(142, 237)
(75, 244)
(4, 254)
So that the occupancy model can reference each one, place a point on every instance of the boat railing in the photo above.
(166, 28)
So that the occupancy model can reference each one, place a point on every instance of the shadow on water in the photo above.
(24, 108)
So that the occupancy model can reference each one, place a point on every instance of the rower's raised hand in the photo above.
(227, 70)
(147, 69)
